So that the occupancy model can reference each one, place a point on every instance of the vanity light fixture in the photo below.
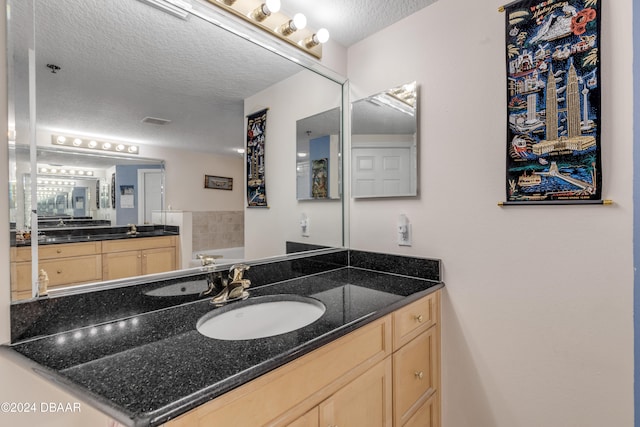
(92, 144)
(266, 15)
(171, 7)
(55, 172)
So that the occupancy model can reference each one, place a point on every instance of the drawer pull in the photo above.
(419, 318)
(59, 271)
(419, 375)
(59, 251)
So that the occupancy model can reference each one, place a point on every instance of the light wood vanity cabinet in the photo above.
(65, 264)
(416, 362)
(139, 256)
(384, 374)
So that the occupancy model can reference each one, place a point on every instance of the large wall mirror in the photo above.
(168, 93)
(384, 144)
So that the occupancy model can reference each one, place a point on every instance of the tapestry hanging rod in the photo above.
(503, 7)
(605, 202)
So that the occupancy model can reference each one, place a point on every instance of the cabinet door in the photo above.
(158, 260)
(414, 374)
(310, 419)
(365, 402)
(118, 265)
(427, 415)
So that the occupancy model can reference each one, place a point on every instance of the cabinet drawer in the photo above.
(57, 251)
(61, 272)
(69, 250)
(75, 270)
(410, 321)
(137, 243)
(415, 374)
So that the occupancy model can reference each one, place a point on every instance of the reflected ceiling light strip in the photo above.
(266, 15)
(62, 171)
(173, 7)
(92, 144)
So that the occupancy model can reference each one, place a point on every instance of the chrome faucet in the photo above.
(232, 288)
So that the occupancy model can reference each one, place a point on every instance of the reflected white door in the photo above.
(379, 172)
(150, 195)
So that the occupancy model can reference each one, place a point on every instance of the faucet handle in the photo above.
(237, 271)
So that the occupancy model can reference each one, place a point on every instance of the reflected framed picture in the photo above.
(218, 182)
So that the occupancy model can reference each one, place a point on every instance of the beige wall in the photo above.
(537, 313)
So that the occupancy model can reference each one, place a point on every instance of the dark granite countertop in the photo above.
(95, 233)
(147, 369)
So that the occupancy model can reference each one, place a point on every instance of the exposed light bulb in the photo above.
(93, 144)
(298, 22)
(273, 5)
(77, 142)
(323, 35)
(106, 146)
(61, 140)
(119, 147)
(265, 10)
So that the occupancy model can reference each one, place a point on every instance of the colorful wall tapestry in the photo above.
(553, 92)
(320, 178)
(256, 134)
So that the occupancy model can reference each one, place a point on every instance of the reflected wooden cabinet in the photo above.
(70, 264)
(65, 264)
(139, 256)
(384, 374)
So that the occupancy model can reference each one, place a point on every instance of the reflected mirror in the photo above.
(177, 87)
(318, 156)
(384, 140)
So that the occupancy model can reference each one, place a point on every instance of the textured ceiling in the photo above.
(122, 60)
(350, 21)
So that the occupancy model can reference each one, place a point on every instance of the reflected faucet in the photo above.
(61, 223)
(231, 288)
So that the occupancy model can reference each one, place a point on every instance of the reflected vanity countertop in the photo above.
(97, 233)
(147, 369)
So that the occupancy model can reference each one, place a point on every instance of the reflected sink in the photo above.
(260, 317)
(179, 289)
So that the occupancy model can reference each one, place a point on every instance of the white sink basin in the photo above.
(260, 317)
